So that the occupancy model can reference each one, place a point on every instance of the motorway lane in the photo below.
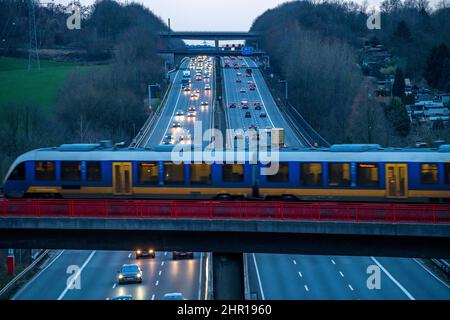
(98, 277)
(179, 100)
(236, 117)
(299, 277)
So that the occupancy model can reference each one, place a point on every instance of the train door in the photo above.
(122, 182)
(396, 180)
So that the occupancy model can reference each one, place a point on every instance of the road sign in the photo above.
(246, 51)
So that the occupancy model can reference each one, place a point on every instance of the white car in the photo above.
(173, 296)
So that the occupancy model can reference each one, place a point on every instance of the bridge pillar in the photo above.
(228, 276)
(216, 43)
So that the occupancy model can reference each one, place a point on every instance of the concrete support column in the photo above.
(216, 43)
(228, 276)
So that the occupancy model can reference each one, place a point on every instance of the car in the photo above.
(244, 103)
(243, 90)
(129, 273)
(187, 89)
(252, 87)
(263, 115)
(198, 78)
(182, 254)
(173, 296)
(191, 109)
(139, 253)
(258, 107)
(250, 82)
(204, 103)
(179, 113)
(207, 87)
(191, 115)
(176, 125)
(197, 91)
(124, 297)
(232, 105)
(238, 74)
(238, 80)
(248, 114)
(252, 126)
(193, 95)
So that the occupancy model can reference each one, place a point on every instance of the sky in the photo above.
(211, 15)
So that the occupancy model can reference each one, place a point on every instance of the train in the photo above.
(339, 172)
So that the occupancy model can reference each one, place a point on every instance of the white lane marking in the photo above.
(162, 263)
(114, 285)
(306, 288)
(61, 296)
(259, 279)
(351, 288)
(333, 261)
(159, 273)
(295, 262)
(165, 253)
(430, 272)
(342, 275)
(157, 283)
(35, 277)
(153, 296)
(206, 275)
(300, 274)
(129, 256)
(200, 277)
(406, 292)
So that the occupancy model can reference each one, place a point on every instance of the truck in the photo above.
(277, 137)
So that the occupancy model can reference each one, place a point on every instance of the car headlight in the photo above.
(150, 251)
(120, 276)
(138, 252)
(139, 275)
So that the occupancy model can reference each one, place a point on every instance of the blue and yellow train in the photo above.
(341, 172)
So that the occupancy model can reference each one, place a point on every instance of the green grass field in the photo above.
(19, 85)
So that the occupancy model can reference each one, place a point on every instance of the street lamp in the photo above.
(150, 93)
(285, 89)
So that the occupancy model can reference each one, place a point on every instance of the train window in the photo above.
(45, 170)
(94, 171)
(233, 172)
(282, 175)
(447, 172)
(148, 172)
(173, 173)
(367, 175)
(429, 173)
(71, 171)
(200, 173)
(311, 174)
(338, 174)
(18, 172)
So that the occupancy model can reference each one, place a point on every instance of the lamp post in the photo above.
(150, 94)
(286, 93)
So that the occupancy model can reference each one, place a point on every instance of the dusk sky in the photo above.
(232, 15)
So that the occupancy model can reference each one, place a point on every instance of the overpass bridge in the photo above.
(212, 51)
(398, 230)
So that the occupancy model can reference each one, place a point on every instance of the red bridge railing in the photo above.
(249, 210)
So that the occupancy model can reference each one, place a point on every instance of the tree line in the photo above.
(316, 46)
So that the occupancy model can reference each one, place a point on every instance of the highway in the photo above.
(299, 277)
(236, 116)
(179, 100)
(98, 271)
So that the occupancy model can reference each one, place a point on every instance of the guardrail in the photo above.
(242, 210)
(443, 264)
(12, 284)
